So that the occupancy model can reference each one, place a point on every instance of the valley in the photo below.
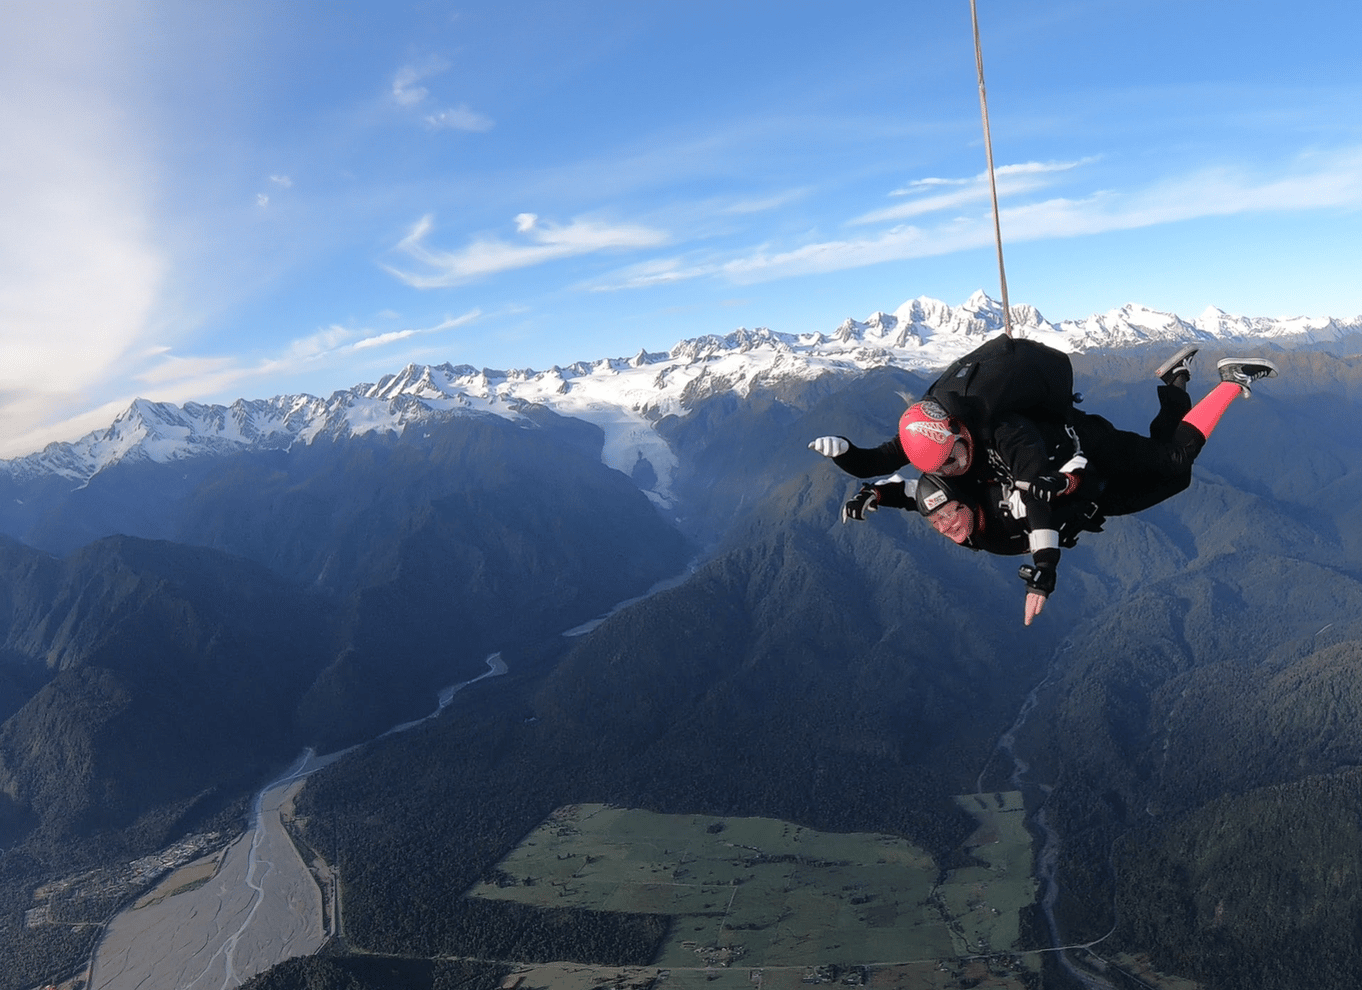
(220, 921)
(261, 905)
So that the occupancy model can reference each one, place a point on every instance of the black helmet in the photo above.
(934, 491)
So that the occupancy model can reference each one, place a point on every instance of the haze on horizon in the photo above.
(217, 201)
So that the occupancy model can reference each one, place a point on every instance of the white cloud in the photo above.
(314, 345)
(767, 203)
(408, 95)
(459, 118)
(282, 180)
(661, 271)
(80, 272)
(405, 92)
(1012, 180)
(929, 183)
(545, 242)
(382, 339)
(261, 199)
(38, 432)
(171, 368)
(336, 340)
(172, 378)
(1312, 182)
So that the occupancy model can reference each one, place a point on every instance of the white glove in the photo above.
(830, 446)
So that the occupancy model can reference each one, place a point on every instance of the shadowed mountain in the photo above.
(154, 670)
(169, 674)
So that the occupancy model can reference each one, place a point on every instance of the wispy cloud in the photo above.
(168, 377)
(405, 92)
(1012, 180)
(1311, 182)
(541, 242)
(170, 368)
(172, 378)
(658, 271)
(459, 118)
(80, 271)
(408, 95)
(761, 205)
(393, 336)
(337, 340)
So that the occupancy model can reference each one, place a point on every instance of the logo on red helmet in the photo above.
(927, 434)
(932, 409)
(938, 433)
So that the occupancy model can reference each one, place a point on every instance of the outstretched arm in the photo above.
(892, 493)
(862, 462)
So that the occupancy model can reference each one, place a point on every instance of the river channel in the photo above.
(1047, 860)
(260, 907)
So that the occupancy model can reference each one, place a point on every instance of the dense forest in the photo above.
(378, 973)
(433, 814)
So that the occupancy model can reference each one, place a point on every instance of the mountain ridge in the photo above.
(627, 396)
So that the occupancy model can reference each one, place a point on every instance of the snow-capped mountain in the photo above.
(625, 396)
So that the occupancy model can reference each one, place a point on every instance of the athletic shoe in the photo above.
(1245, 371)
(1179, 365)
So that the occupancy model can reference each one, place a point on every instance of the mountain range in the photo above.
(221, 586)
(625, 397)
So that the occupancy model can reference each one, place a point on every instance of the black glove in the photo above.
(1052, 486)
(865, 501)
(1040, 576)
(1041, 580)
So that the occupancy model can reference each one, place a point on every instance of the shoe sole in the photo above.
(1246, 381)
(1185, 352)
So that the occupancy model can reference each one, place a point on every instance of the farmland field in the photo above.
(757, 894)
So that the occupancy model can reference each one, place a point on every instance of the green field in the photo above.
(760, 894)
(983, 901)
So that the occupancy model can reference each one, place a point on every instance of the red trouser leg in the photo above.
(1206, 413)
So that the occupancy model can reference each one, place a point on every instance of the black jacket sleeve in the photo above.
(1020, 448)
(872, 462)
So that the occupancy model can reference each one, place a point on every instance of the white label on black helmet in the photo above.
(935, 500)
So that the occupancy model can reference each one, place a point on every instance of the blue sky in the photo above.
(205, 201)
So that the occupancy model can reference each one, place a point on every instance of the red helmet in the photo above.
(928, 435)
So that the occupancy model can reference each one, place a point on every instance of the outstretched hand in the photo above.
(830, 446)
(864, 502)
(1035, 602)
